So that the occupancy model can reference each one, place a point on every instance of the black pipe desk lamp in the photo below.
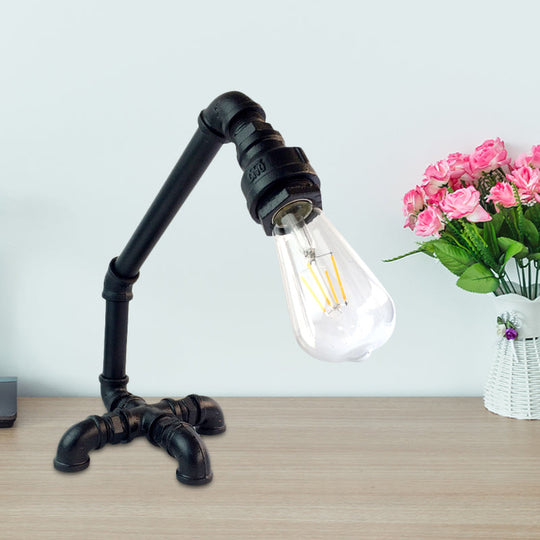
(339, 310)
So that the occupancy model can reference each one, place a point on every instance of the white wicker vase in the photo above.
(513, 385)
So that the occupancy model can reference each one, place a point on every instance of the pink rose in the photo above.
(413, 202)
(464, 203)
(464, 181)
(429, 222)
(527, 180)
(437, 197)
(435, 177)
(523, 160)
(410, 222)
(535, 161)
(529, 160)
(488, 156)
(438, 171)
(458, 164)
(502, 194)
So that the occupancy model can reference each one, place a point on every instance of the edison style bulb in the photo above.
(338, 308)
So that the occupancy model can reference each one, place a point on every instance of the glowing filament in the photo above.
(313, 294)
(339, 279)
(324, 281)
(331, 286)
(319, 284)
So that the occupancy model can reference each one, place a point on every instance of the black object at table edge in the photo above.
(8, 401)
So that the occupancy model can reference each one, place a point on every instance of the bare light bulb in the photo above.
(338, 308)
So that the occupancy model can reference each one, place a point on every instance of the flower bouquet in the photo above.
(482, 212)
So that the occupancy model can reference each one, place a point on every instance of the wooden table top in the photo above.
(296, 468)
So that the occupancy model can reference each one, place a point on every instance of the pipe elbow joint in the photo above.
(117, 288)
(183, 443)
(211, 419)
(75, 445)
(115, 394)
(220, 115)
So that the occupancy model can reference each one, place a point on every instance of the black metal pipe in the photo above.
(117, 291)
(115, 346)
(125, 268)
(190, 167)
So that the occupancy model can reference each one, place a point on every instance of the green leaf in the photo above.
(496, 221)
(480, 247)
(519, 214)
(510, 222)
(511, 248)
(490, 237)
(453, 234)
(478, 279)
(531, 232)
(533, 256)
(427, 247)
(455, 258)
(533, 213)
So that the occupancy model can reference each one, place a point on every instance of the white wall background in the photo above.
(97, 101)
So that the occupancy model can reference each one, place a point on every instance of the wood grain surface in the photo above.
(387, 468)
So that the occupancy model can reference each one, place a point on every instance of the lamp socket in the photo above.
(8, 401)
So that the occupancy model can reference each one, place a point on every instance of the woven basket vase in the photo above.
(513, 385)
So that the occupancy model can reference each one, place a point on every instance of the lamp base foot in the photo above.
(66, 467)
(211, 431)
(174, 425)
(193, 481)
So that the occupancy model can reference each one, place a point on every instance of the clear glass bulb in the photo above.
(338, 308)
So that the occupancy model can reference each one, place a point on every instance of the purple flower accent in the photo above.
(510, 333)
